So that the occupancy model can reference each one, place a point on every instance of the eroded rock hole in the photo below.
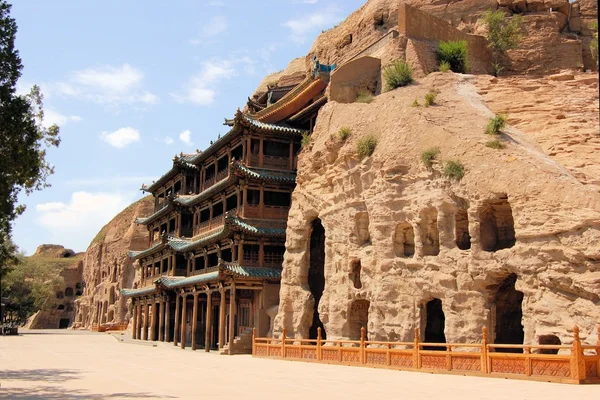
(362, 227)
(358, 318)
(461, 229)
(435, 325)
(549, 340)
(316, 274)
(355, 268)
(404, 240)
(497, 226)
(509, 313)
(430, 235)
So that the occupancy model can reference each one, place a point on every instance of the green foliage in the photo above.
(430, 98)
(397, 75)
(455, 53)
(495, 124)
(344, 133)
(415, 103)
(497, 68)
(594, 42)
(23, 143)
(364, 97)
(444, 66)
(429, 155)
(366, 146)
(454, 169)
(495, 144)
(503, 34)
(305, 140)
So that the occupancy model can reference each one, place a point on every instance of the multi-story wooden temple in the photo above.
(216, 237)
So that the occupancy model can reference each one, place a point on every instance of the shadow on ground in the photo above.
(46, 375)
(56, 393)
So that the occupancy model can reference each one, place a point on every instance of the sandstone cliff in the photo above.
(107, 268)
(395, 230)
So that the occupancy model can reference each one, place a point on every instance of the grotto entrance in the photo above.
(316, 274)
(497, 226)
(508, 302)
(359, 318)
(435, 325)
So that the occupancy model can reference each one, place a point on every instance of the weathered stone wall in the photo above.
(107, 268)
(370, 207)
(416, 24)
(361, 74)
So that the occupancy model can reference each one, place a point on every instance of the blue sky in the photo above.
(132, 83)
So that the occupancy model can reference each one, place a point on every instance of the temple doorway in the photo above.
(316, 274)
(435, 325)
(359, 318)
(508, 304)
(63, 323)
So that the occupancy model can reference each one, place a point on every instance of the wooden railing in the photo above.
(108, 327)
(572, 364)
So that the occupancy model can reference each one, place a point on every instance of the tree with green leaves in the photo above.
(23, 139)
(503, 34)
(594, 42)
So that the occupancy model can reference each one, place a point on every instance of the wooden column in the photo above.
(261, 253)
(261, 153)
(167, 335)
(231, 317)
(139, 321)
(291, 155)
(153, 321)
(134, 318)
(240, 259)
(176, 332)
(208, 321)
(262, 201)
(249, 151)
(222, 319)
(194, 320)
(161, 321)
(183, 318)
(145, 328)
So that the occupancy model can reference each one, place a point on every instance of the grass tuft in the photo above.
(366, 146)
(454, 169)
(364, 97)
(344, 133)
(444, 66)
(495, 124)
(397, 75)
(430, 98)
(495, 144)
(429, 155)
(305, 140)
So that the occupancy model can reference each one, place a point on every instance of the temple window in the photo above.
(253, 197)
(237, 153)
(231, 203)
(204, 215)
(255, 146)
(213, 259)
(496, 227)
(226, 255)
(251, 254)
(209, 173)
(186, 224)
(165, 266)
(278, 199)
(217, 209)
(177, 188)
(274, 255)
(61, 307)
(222, 164)
(199, 263)
(69, 292)
(172, 226)
(60, 295)
(163, 228)
(180, 263)
(276, 149)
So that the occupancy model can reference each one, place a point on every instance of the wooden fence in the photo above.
(109, 327)
(570, 364)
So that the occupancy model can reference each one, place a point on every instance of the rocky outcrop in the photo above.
(107, 267)
(387, 243)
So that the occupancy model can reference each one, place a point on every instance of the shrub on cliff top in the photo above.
(454, 53)
(495, 124)
(397, 75)
(364, 97)
(454, 169)
(366, 146)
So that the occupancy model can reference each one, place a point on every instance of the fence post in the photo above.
(484, 355)
(283, 336)
(416, 363)
(362, 345)
(527, 352)
(319, 355)
(253, 341)
(449, 357)
(577, 361)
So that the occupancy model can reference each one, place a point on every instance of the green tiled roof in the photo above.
(253, 272)
(162, 211)
(179, 162)
(190, 280)
(138, 292)
(191, 200)
(245, 226)
(139, 254)
(264, 174)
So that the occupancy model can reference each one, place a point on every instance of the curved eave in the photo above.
(191, 200)
(179, 163)
(254, 273)
(138, 292)
(240, 225)
(136, 255)
(167, 208)
(308, 109)
(263, 175)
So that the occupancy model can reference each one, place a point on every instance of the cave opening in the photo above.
(435, 324)
(497, 226)
(508, 302)
(316, 274)
(358, 319)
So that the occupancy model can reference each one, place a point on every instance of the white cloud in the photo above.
(52, 117)
(301, 27)
(166, 140)
(114, 181)
(121, 138)
(201, 88)
(211, 29)
(185, 137)
(78, 222)
(106, 85)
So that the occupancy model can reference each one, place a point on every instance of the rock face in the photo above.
(107, 268)
(386, 243)
(71, 268)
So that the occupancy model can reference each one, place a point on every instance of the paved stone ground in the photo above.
(84, 365)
